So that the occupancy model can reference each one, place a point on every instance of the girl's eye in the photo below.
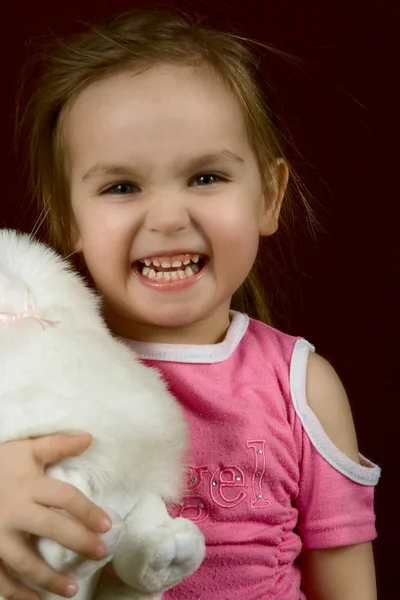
(122, 189)
(207, 179)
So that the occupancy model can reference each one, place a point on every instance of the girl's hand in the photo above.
(27, 496)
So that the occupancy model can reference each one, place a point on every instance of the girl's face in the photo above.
(161, 172)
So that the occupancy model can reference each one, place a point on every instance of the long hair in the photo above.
(131, 42)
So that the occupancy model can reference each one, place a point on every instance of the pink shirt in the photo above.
(265, 479)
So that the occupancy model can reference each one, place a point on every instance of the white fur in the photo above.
(73, 376)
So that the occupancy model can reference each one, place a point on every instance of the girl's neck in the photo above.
(209, 330)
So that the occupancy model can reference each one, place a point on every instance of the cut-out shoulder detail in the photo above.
(328, 399)
(366, 473)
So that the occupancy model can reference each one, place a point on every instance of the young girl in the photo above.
(156, 160)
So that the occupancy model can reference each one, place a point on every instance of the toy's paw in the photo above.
(181, 552)
(168, 554)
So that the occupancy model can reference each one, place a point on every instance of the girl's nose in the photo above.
(167, 215)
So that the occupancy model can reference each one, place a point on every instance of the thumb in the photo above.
(50, 449)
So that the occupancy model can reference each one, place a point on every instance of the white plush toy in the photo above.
(62, 371)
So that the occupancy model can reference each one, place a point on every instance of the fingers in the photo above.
(29, 566)
(63, 496)
(53, 448)
(71, 534)
(12, 589)
(29, 501)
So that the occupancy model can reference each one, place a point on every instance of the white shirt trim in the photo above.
(366, 473)
(186, 353)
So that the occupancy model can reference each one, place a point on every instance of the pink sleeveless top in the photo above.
(265, 480)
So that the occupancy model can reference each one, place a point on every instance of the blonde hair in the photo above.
(135, 41)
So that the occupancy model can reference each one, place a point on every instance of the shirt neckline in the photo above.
(187, 353)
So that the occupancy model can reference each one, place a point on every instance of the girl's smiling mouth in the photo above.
(175, 271)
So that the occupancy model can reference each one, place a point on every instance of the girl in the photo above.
(156, 160)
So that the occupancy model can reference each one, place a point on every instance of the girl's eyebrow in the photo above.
(198, 162)
(106, 169)
(222, 155)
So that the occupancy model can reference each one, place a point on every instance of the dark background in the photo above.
(341, 108)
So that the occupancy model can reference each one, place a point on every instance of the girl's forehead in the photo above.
(164, 105)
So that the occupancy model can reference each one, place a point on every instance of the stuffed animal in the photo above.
(61, 370)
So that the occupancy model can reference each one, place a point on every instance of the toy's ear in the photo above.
(273, 197)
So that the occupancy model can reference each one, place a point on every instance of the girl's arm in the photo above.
(26, 500)
(343, 573)
(339, 573)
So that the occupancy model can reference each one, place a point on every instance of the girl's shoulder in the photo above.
(275, 343)
(273, 351)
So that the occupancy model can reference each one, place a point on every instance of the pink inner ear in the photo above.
(29, 311)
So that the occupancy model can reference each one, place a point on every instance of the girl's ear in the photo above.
(273, 197)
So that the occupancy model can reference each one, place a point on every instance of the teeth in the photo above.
(167, 264)
(184, 269)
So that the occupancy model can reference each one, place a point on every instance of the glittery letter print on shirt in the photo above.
(227, 486)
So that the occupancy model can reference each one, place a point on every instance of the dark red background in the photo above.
(341, 109)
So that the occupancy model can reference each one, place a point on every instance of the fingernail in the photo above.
(71, 589)
(105, 524)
